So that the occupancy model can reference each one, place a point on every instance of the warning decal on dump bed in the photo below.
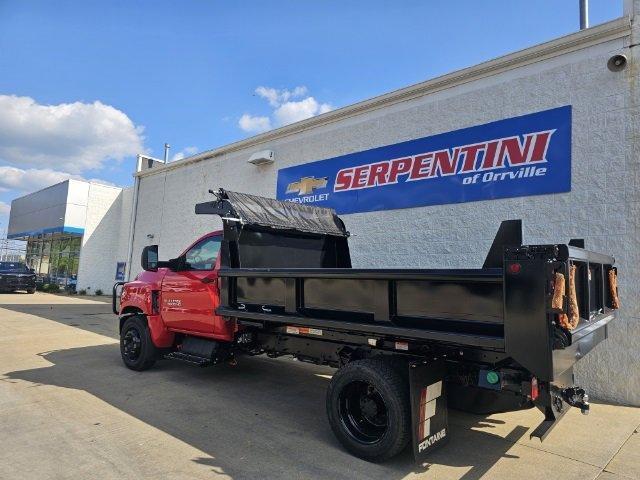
(303, 330)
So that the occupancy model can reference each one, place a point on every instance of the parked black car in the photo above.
(16, 276)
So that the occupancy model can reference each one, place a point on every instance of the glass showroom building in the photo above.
(53, 222)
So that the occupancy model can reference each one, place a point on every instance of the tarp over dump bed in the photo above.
(267, 212)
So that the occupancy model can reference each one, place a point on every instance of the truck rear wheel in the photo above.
(136, 347)
(369, 409)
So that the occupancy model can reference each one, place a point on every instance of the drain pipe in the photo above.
(132, 222)
(584, 14)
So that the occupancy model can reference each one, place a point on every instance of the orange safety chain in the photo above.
(570, 319)
(613, 289)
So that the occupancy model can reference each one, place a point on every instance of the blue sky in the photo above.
(84, 85)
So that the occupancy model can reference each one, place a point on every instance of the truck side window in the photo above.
(203, 255)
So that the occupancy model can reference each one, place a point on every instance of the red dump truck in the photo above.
(406, 343)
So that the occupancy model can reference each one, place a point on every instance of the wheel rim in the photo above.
(131, 344)
(363, 412)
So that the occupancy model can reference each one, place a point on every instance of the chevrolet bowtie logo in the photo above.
(306, 185)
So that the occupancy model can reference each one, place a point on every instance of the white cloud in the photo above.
(185, 152)
(32, 179)
(277, 97)
(71, 137)
(4, 209)
(256, 124)
(291, 112)
(286, 109)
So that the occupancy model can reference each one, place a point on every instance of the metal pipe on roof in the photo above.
(584, 14)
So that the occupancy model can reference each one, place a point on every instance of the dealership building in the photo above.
(63, 220)
(422, 177)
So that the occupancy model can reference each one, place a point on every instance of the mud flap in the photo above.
(429, 425)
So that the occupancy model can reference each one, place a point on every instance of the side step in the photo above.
(199, 351)
(188, 358)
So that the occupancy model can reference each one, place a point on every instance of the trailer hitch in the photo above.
(576, 397)
(555, 404)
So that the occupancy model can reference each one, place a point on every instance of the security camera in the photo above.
(617, 63)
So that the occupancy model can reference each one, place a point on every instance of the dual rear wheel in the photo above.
(369, 409)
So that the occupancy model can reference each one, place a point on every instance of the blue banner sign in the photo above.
(120, 270)
(515, 157)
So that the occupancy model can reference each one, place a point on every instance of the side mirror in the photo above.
(176, 264)
(149, 259)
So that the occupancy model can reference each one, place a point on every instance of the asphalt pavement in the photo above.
(69, 409)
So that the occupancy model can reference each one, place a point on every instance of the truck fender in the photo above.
(123, 318)
(429, 423)
(160, 336)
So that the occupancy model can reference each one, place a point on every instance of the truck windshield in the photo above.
(13, 267)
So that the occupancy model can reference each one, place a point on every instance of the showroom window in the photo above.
(55, 257)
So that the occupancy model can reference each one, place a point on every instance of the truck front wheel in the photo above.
(136, 348)
(369, 409)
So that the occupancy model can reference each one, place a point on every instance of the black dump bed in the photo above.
(285, 263)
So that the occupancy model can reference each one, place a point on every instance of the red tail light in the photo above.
(515, 268)
(534, 388)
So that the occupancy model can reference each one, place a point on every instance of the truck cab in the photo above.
(180, 298)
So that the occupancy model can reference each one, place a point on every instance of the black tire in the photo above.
(357, 395)
(136, 348)
(31, 290)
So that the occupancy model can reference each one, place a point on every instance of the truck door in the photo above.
(190, 297)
